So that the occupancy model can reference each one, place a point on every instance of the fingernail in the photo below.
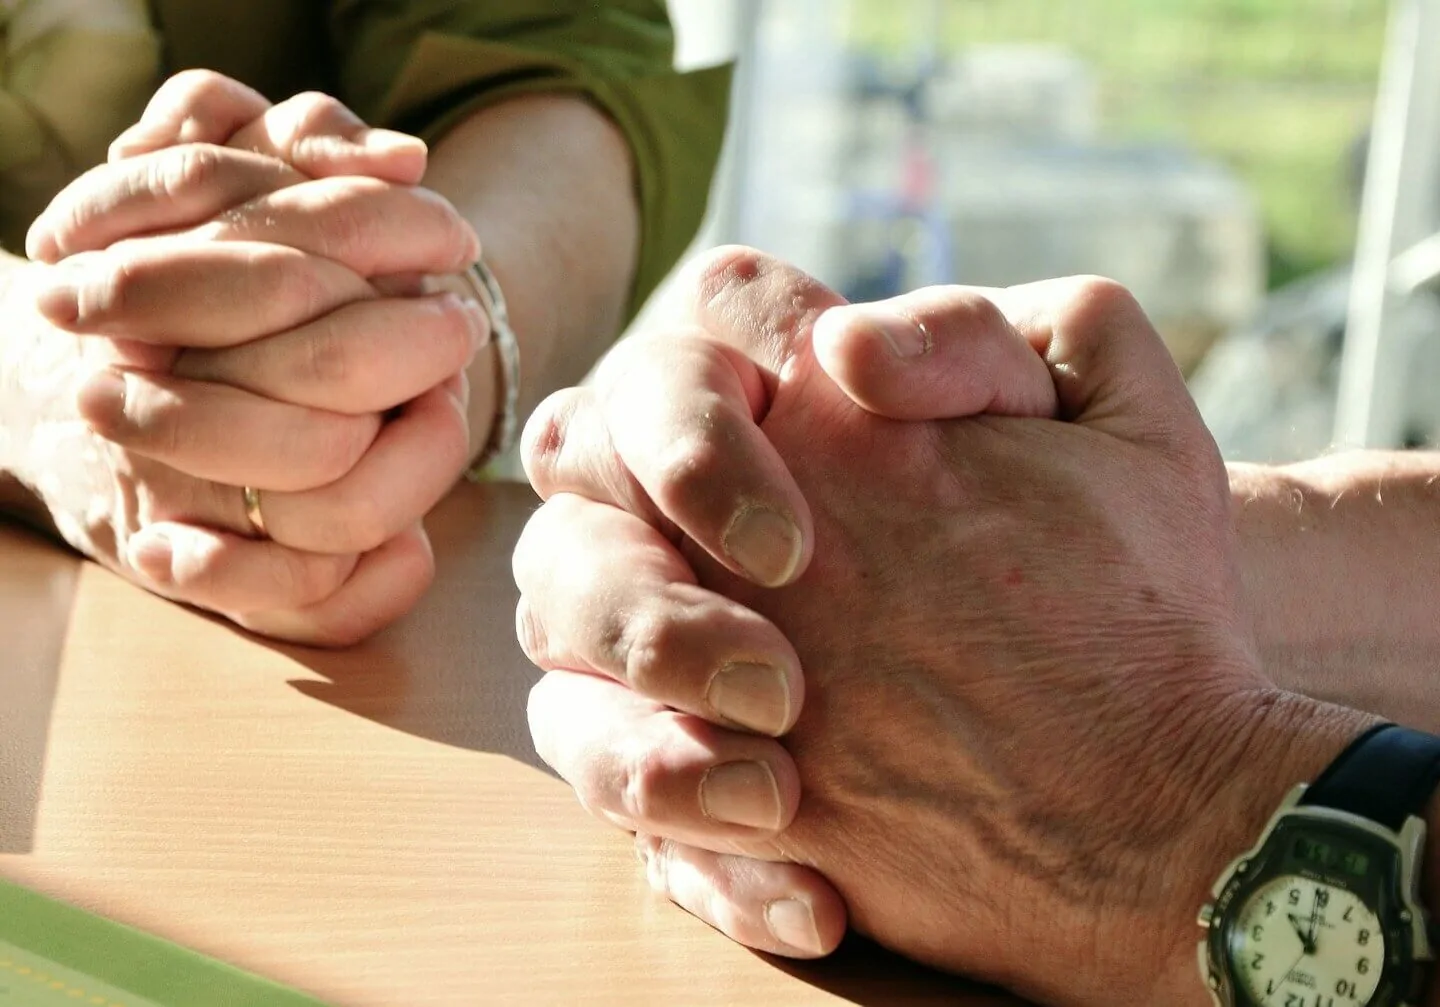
(765, 544)
(59, 302)
(741, 793)
(907, 338)
(40, 243)
(458, 388)
(101, 400)
(792, 922)
(388, 141)
(152, 553)
(751, 695)
(479, 323)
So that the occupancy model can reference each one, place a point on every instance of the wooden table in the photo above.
(370, 826)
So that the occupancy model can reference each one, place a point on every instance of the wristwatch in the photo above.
(1324, 910)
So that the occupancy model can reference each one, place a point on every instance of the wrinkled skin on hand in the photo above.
(1022, 645)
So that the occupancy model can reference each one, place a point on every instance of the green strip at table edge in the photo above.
(147, 966)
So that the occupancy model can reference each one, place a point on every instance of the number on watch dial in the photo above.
(1302, 943)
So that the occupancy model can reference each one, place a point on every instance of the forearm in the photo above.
(548, 183)
(1341, 566)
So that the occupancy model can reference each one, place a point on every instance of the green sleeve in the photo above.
(422, 65)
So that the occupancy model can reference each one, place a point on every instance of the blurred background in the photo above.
(1263, 174)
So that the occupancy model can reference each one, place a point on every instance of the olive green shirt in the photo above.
(70, 82)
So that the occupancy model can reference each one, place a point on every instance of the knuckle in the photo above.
(770, 300)
(161, 423)
(543, 441)
(352, 222)
(1098, 300)
(689, 472)
(307, 579)
(285, 578)
(643, 789)
(716, 907)
(186, 169)
(722, 269)
(320, 448)
(980, 314)
(201, 578)
(193, 89)
(628, 363)
(117, 285)
(327, 361)
(653, 642)
(312, 113)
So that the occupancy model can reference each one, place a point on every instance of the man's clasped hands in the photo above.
(920, 617)
(923, 616)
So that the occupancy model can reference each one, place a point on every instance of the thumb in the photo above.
(938, 353)
(1111, 370)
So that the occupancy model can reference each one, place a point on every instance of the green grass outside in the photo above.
(1279, 89)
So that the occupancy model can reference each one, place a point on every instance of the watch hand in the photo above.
(1301, 931)
(1314, 921)
(1270, 999)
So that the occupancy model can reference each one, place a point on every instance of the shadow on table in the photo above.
(36, 597)
(452, 670)
(862, 972)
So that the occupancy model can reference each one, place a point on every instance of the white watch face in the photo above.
(1303, 943)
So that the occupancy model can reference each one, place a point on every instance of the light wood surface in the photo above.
(369, 825)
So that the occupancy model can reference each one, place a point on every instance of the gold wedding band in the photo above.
(252, 511)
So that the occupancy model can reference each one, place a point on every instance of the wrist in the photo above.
(1279, 740)
(559, 227)
(1277, 512)
(1337, 560)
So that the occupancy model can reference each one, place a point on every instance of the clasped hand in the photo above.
(991, 527)
(237, 299)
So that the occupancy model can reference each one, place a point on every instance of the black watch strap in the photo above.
(1386, 775)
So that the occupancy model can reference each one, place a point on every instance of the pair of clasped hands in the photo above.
(240, 298)
(961, 566)
(922, 617)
